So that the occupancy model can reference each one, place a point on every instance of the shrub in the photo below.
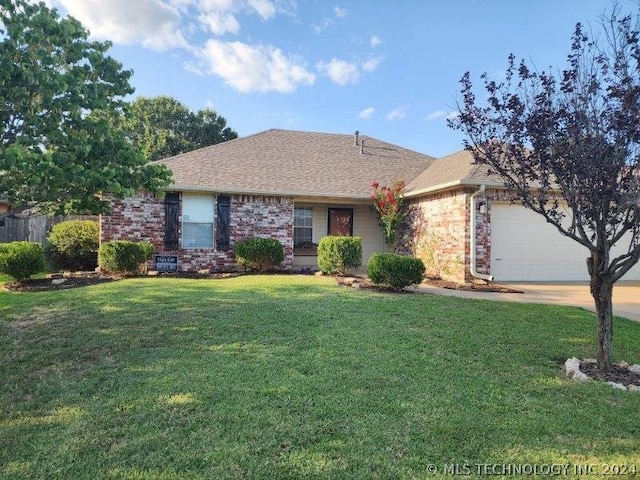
(397, 271)
(21, 260)
(259, 254)
(122, 256)
(339, 254)
(73, 245)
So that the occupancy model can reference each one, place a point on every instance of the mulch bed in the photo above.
(45, 284)
(357, 281)
(86, 279)
(617, 374)
(364, 282)
(470, 287)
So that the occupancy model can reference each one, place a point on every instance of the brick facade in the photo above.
(438, 230)
(141, 218)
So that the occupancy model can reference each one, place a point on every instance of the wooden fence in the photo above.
(33, 228)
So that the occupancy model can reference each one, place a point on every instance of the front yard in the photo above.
(293, 376)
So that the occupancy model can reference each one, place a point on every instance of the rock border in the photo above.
(573, 372)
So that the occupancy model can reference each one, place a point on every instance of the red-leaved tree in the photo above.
(389, 205)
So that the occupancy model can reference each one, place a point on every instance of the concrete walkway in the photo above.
(626, 295)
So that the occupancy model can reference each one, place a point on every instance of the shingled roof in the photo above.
(453, 170)
(285, 162)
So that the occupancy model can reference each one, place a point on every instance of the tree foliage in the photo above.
(162, 127)
(389, 205)
(568, 145)
(58, 90)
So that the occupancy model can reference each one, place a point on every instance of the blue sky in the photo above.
(389, 69)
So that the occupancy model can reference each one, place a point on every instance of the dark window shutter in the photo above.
(223, 208)
(171, 220)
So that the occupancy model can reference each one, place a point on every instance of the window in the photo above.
(197, 221)
(302, 227)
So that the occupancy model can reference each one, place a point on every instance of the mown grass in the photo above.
(290, 377)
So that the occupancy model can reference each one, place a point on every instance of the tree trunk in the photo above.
(602, 292)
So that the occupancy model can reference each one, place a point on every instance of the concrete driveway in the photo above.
(626, 295)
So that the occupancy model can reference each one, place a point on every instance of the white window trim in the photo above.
(305, 207)
(213, 199)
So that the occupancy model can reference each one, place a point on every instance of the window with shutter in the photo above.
(197, 221)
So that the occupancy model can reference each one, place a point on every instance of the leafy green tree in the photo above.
(58, 91)
(162, 127)
(567, 145)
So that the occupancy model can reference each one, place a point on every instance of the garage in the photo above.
(524, 247)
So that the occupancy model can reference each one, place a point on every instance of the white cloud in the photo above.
(437, 114)
(375, 41)
(326, 22)
(366, 113)
(151, 23)
(249, 68)
(341, 72)
(397, 113)
(193, 67)
(219, 24)
(221, 16)
(264, 8)
(340, 12)
(322, 24)
(371, 64)
(213, 5)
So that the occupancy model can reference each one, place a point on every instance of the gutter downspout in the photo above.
(472, 234)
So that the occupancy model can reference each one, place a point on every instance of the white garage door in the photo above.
(524, 247)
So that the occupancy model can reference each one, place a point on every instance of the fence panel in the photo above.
(33, 228)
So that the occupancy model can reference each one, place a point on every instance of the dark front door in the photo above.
(340, 222)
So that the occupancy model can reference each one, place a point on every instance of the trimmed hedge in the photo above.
(73, 245)
(396, 271)
(339, 254)
(123, 256)
(259, 254)
(21, 260)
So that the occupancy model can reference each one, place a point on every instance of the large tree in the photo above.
(567, 144)
(162, 126)
(58, 90)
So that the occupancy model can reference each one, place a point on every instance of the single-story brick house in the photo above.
(297, 187)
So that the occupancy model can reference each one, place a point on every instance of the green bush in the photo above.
(339, 254)
(397, 271)
(122, 256)
(73, 245)
(21, 260)
(259, 254)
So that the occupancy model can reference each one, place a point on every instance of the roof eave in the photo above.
(275, 193)
(450, 185)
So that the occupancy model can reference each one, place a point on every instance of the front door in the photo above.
(340, 222)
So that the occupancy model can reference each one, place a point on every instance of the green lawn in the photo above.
(293, 376)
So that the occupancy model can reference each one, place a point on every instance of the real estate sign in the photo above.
(166, 263)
